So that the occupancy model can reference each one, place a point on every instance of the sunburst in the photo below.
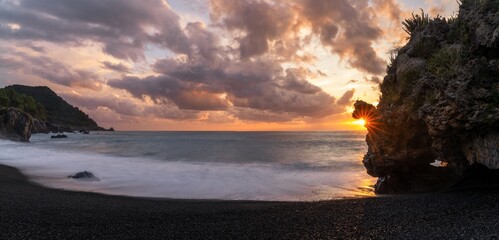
(360, 122)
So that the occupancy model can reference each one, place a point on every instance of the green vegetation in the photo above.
(393, 54)
(446, 62)
(58, 111)
(416, 22)
(390, 94)
(10, 98)
(459, 33)
(425, 48)
(44, 104)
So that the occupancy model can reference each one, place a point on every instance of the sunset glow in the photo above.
(360, 122)
(206, 64)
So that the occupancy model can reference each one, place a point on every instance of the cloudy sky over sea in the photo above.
(207, 64)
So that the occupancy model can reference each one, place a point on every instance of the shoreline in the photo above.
(32, 211)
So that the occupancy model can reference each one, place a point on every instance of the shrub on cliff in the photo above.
(446, 62)
(416, 22)
(10, 98)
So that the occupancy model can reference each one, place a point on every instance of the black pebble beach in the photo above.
(29, 211)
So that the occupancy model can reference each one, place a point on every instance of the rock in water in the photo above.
(440, 102)
(83, 131)
(59, 136)
(85, 175)
(15, 124)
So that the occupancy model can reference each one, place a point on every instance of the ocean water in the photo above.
(283, 166)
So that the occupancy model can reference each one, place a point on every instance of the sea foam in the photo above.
(143, 177)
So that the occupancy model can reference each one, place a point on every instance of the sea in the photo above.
(267, 166)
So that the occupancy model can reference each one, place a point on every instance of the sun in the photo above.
(360, 122)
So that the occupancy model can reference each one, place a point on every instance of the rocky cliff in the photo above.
(439, 102)
(15, 124)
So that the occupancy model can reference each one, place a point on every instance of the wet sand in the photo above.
(29, 211)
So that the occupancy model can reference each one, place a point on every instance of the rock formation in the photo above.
(85, 175)
(15, 124)
(440, 101)
(40, 126)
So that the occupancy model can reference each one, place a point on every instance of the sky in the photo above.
(208, 65)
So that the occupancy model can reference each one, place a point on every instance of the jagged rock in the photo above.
(440, 101)
(39, 126)
(85, 175)
(15, 124)
(59, 136)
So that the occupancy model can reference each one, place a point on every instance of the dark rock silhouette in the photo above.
(15, 124)
(59, 136)
(440, 101)
(85, 175)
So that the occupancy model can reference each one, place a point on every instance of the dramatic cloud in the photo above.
(256, 85)
(261, 21)
(348, 28)
(126, 107)
(253, 60)
(123, 27)
(52, 71)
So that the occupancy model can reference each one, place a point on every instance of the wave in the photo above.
(142, 177)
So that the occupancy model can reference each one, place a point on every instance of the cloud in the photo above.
(374, 80)
(118, 67)
(36, 48)
(346, 99)
(261, 116)
(295, 80)
(123, 27)
(52, 71)
(126, 107)
(253, 62)
(348, 28)
(261, 21)
(389, 8)
(257, 85)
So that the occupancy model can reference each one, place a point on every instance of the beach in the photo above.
(30, 211)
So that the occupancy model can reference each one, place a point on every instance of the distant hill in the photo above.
(57, 113)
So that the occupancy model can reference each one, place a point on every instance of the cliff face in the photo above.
(15, 125)
(440, 101)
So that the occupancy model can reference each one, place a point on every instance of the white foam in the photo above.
(181, 180)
